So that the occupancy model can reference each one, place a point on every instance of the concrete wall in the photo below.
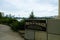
(53, 29)
(29, 34)
(53, 37)
(35, 35)
(53, 26)
(40, 35)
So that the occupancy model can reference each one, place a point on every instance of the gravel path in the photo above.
(7, 34)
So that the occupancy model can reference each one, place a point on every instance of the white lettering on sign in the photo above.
(36, 23)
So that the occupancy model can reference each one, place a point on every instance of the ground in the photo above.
(7, 34)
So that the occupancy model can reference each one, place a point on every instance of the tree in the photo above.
(31, 16)
(0, 14)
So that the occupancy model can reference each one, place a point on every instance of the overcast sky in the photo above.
(23, 8)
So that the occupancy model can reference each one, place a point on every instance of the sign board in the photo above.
(31, 22)
(36, 22)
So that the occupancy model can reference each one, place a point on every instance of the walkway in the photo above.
(7, 34)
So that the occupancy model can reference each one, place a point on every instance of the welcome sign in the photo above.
(35, 24)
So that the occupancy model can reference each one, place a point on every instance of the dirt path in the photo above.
(7, 34)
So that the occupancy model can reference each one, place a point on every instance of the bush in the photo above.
(14, 26)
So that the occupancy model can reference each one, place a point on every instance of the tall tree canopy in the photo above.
(0, 14)
(31, 15)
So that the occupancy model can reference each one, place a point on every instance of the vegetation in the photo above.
(13, 23)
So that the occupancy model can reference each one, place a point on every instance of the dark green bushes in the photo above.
(12, 22)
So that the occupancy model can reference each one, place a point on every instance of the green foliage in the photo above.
(22, 24)
(14, 26)
(8, 20)
(13, 23)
